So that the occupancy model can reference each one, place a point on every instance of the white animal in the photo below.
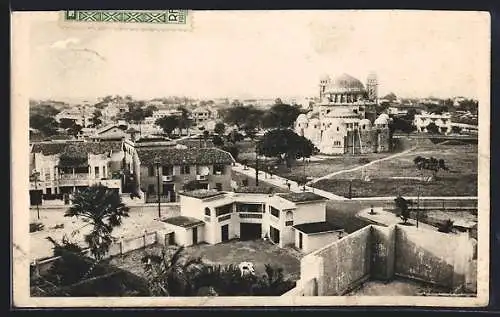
(246, 268)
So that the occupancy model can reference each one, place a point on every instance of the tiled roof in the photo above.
(202, 193)
(316, 227)
(51, 148)
(182, 221)
(174, 156)
(301, 197)
(193, 143)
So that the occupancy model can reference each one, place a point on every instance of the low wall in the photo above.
(117, 248)
(385, 253)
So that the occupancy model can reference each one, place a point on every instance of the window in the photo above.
(96, 172)
(185, 169)
(151, 170)
(218, 186)
(226, 209)
(207, 211)
(275, 212)
(104, 171)
(218, 169)
(167, 170)
(241, 207)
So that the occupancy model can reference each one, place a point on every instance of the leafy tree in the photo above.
(403, 206)
(75, 129)
(446, 227)
(96, 118)
(430, 164)
(185, 121)
(432, 128)
(169, 275)
(44, 110)
(234, 136)
(399, 124)
(101, 208)
(217, 141)
(285, 145)
(45, 124)
(150, 109)
(136, 112)
(391, 97)
(410, 115)
(250, 131)
(66, 123)
(220, 128)
(168, 123)
(232, 149)
(281, 116)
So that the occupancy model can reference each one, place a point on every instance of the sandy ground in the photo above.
(140, 219)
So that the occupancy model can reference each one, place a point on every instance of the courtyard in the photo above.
(259, 252)
(140, 219)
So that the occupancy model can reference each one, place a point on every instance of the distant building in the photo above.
(442, 121)
(66, 166)
(211, 167)
(340, 123)
(109, 132)
(297, 219)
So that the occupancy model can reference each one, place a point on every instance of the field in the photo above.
(398, 175)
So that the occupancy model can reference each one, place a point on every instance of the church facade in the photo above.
(341, 122)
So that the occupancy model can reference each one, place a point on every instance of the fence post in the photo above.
(443, 205)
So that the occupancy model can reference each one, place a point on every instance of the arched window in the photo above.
(207, 211)
(289, 218)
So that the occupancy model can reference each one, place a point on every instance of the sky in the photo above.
(263, 54)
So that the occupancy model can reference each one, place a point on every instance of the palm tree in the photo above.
(102, 208)
(170, 275)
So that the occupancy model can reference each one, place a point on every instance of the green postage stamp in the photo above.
(128, 19)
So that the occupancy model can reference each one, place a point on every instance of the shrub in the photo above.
(364, 160)
(36, 226)
(446, 227)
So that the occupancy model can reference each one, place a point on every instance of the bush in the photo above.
(446, 227)
(36, 226)
(364, 160)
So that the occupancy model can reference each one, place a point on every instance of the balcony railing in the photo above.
(167, 178)
(201, 177)
(74, 176)
(248, 215)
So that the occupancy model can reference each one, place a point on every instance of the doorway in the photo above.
(274, 235)
(250, 231)
(195, 235)
(168, 189)
(224, 230)
(171, 238)
(300, 240)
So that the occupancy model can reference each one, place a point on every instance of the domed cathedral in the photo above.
(340, 123)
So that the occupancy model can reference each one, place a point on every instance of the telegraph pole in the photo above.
(256, 168)
(36, 191)
(157, 162)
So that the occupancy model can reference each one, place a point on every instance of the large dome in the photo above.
(345, 83)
